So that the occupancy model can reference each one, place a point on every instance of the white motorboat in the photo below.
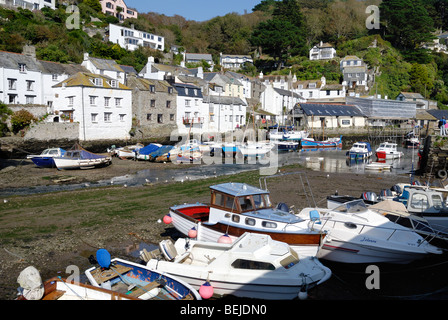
(378, 166)
(388, 151)
(79, 158)
(45, 159)
(254, 266)
(356, 234)
(128, 151)
(290, 135)
(360, 150)
(236, 208)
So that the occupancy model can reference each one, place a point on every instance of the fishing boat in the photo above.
(329, 143)
(254, 266)
(255, 149)
(163, 151)
(286, 145)
(45, 159)
(236, 208)
(289, 135)
(143, 153)
(79, 158)
(33, 288)
(388, 151)
(230, 148)
(356, 234)
(360, 150)
(138, 281)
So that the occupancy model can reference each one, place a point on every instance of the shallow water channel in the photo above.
(324, 160)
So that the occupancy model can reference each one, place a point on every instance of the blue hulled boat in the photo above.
(329, 143)
(45, 159)
(360, 150)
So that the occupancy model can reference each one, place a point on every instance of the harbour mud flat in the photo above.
(55, 230)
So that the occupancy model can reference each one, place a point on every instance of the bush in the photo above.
(21, 119)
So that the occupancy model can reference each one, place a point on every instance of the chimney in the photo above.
(29, 51)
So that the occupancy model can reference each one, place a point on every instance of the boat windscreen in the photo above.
(355, 206)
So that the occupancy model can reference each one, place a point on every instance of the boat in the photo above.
(163, 151)
(388, 151)
(329, 143)
(287, 135)
(427, 202)
(286, 145)
(254, 266)
(230, 148)
(33, 288)
(360, 150)
(137, 280)
(356, 234)
(143, 153)
(45, 159)
(128, 151)
(378, 166)
(255, 149)
(236, 208)
(79, 158)
(411, 141)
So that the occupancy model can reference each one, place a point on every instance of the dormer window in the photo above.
(152, 88)
(312, 85)
(98, 82)
(22, 67)
(114, 83)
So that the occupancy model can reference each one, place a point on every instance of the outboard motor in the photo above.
(396, 189)
(369, 196)
(283, 207)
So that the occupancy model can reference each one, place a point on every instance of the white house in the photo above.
(101, 105)
(131, 39)
(191, 115)
(106, 67)
(322, 51)
(30, 4)
(234, 61)
(279, 101)
(25, 80)
(319, 89)
(157, 71)
(225, 113)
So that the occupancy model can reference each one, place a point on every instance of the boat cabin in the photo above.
(244, 203)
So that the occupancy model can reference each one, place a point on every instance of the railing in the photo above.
(192, 120)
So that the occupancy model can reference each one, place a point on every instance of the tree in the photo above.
(21, 119)
(407, 25)
(5, 112)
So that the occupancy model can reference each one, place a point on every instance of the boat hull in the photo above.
(306, 244)
(68, 163)
(309, 143)
(383, 155)
(44, 162)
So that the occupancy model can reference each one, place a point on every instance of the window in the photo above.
(29, 99)
(94, 117)
(12, 84)
(419, 201)
(160, 118)
(22, 67)
(172, 117)
(168, 104)
(12, 98)
(122, 117)
(246, 203)
(250, 264)
(250, 221)
(29, 85)
(148, 116)
(71, 101)
(268, 224)
(114, 83)
(106, 101)
(99, 82)
(92, 100)
(152, 88)
(187, 103)
(54, 77)
(170, 90)
(118, 102)
(153, 103)
(107, 116)
(236, 218)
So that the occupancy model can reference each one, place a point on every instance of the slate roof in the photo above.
(106, 64)
(198, 56)
(331, 110)
(284, 92)
(182, 90)
(11, 60)
(226, 100)
(438, 114)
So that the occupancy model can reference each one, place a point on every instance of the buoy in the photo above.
(167, 219)
(193, 233)
(303, 294)
(206, 290)
(103, 258)
(225, 239)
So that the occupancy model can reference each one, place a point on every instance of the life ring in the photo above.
(442, 174)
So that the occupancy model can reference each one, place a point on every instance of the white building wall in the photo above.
(115, 125)
(131, 39)
(23, 84)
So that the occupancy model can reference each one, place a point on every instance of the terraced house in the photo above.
(100, 104)
(154, 107)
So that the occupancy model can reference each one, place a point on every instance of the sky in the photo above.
(198, 10)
